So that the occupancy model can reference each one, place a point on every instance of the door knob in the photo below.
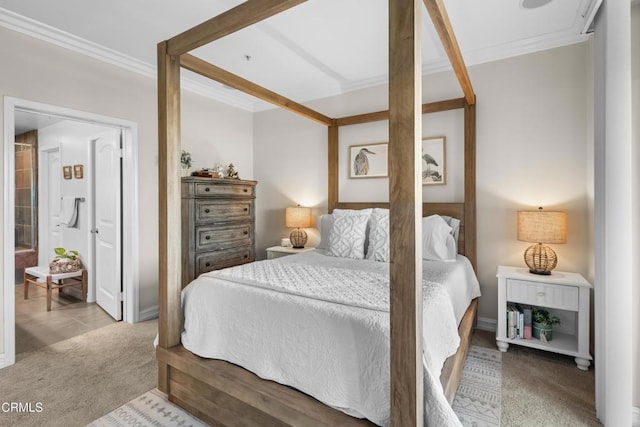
(94, 231)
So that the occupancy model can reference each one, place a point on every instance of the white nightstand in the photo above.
(566, 295)
(280, 251)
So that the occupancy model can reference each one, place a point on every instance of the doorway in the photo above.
(117, 141)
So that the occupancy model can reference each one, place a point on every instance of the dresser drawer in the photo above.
(222, 259)
(224, 190)
(213, 211)
(544, 295)
(209, 238)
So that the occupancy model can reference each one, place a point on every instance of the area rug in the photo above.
(477, 401)
(150, 409)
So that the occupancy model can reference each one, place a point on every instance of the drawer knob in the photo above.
(246, 209)
(541, 294)
(246, 256)
(207, 211)
(245, 190)
(246, 232)
(208, 264)
(207, 237)
(207, 189)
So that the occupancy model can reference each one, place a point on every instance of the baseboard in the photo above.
(148, 314)
(486, 324)
(635, 416)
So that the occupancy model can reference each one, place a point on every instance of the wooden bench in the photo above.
(54, 281)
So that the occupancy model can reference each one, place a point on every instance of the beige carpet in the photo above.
(80, 379)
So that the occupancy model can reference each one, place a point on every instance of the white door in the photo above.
(108, 263)
(54, 178)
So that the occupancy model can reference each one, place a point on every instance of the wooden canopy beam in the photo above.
(441, 22)
(206, 69)
(431, 107)
(405, 213)
(237, 18)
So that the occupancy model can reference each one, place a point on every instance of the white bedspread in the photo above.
(300, 330)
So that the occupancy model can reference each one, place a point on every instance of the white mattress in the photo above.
(306, 335)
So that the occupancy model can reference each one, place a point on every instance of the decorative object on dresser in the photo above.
(185, 163)
(541, 227)
(232, 172)
(298, 217)
(562, 295)
(281, 251)
(217, 225)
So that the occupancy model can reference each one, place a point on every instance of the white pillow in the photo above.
(378, 248)
(324, 224)
(348, 235)
(437, 241)
(454, 223)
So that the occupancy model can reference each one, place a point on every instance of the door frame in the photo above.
(130, 241)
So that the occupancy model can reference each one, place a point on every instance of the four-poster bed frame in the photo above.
(224, 394)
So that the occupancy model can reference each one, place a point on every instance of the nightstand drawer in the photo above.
(544, 295)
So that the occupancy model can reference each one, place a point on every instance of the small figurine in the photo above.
(231, 172)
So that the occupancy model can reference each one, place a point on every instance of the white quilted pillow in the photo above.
(347, 236)
(378, 249)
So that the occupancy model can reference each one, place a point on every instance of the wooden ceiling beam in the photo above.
(237, 18)
(430, 107)
(441, 22)
(206, 69)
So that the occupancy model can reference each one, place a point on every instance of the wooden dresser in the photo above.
(218, 224)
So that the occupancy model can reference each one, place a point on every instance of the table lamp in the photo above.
(298, 217)
(541, 227)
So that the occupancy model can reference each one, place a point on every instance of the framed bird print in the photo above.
(369, 160)
(433, 161)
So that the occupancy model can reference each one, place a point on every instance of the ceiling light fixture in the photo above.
(534, 4)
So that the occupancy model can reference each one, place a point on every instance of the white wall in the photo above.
(38, 71)
(635, 75)
(532, 144)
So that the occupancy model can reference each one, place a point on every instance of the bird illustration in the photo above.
(429, 161)
(361, 162)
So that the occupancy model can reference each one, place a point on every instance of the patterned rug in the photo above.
(477, 401)
(152, 409)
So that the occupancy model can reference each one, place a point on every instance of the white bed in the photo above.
(321, 325)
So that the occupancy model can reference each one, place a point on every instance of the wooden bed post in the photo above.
(470, 182)
(169, 310)
(405, 210)
(332, 198)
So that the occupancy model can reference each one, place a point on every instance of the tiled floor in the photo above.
(69, 316)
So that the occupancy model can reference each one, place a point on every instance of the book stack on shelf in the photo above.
(519, 321)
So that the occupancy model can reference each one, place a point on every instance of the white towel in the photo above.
(69, 211)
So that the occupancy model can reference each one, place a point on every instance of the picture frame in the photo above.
(78, 171)
(434, 169)
(66, 172)
(369, 160)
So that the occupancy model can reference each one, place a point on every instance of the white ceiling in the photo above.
(317, 49)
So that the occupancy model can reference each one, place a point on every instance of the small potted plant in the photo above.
(543, 323)
(185, 163)
(65, 261)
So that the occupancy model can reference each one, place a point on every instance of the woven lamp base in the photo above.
(298, 238)
(540, 259)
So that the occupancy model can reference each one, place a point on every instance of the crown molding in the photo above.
(49, 34)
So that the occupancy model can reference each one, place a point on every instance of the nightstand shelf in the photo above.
(280, 251)
(565, 294)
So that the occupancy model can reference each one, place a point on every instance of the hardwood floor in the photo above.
(69, 317)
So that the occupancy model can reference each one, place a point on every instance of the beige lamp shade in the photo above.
(298, 217)
(542, 226)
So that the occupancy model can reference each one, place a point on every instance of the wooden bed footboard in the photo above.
(221, 393)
